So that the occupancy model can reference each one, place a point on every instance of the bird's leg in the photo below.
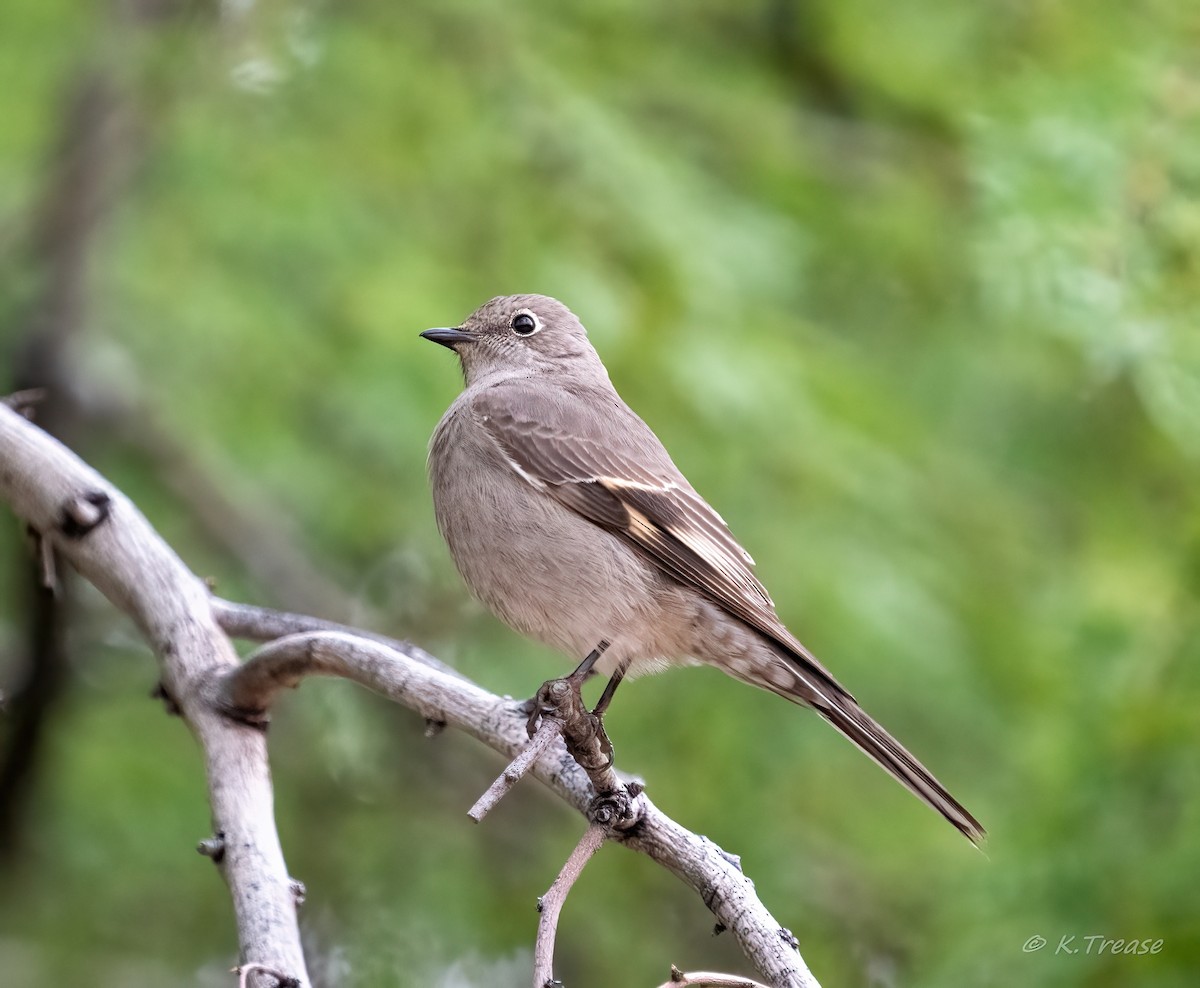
(614, 803)
(542, 699)
(584, 669)
(601, 708)
(559, 706)
(537, 703)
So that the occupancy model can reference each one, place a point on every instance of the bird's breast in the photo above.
(541, 568)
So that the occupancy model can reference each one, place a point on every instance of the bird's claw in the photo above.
(551, 698)
(562, 698)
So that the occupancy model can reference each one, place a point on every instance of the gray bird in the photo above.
(566, 516)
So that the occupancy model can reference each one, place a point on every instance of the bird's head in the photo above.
(519, 336)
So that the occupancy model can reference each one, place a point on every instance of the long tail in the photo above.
(813, 686)
(893, 757)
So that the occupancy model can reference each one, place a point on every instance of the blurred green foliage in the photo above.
(909, 290)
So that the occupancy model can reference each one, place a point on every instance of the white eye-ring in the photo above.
(525, 322)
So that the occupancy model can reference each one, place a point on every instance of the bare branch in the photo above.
(264, 624)
(500, 723)
(551, 728)
(550, 904)
(113, 546)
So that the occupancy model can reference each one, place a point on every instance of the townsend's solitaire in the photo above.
(566, 516)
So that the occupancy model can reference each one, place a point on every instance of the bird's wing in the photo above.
(582, 445)
(587, 448)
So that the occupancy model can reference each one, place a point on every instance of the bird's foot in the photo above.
(564, 697)
(583, 729)
(588, 742)
(531, 709)
(553, 698)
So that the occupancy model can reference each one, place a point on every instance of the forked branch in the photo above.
(99, 531)
(500, 723)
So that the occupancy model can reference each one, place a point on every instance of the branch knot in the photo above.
(84, 512)
(619, 810)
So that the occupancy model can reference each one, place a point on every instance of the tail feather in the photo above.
(811, 684)
(893, 757)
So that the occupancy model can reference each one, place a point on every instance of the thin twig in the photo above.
(265, 624)
(550, 904)
(550, 729)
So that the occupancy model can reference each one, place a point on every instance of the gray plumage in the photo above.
(566, 516)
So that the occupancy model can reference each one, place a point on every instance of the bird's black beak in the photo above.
(449, 336)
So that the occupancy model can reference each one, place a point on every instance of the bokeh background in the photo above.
(910, 291)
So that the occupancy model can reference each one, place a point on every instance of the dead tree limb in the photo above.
(96, 528)
(500, 723)
(103, 535)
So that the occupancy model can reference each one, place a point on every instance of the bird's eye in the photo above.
(525, 323)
